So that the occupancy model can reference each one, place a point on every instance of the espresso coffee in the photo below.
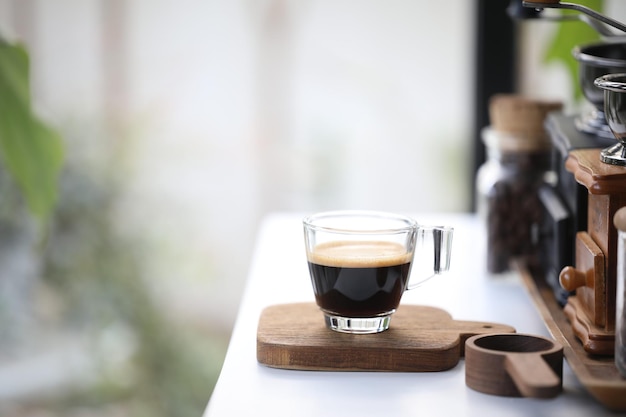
(359, 278)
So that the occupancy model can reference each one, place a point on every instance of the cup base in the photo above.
(614, 155)
(359, 325)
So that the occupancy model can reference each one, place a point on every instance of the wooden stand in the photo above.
(592, 310)
(597, 374)
(594, 339)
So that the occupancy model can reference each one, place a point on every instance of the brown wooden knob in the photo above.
(571, 278)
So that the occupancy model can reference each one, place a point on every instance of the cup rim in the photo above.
(610, 82)
(310, 222)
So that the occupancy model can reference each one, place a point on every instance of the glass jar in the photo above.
(619, 220)
(507, 184)
(508, 202)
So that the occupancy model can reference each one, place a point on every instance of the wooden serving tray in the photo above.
(597, 373)
(419, 339)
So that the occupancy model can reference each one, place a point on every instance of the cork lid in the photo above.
(619, 220)
(521, 120)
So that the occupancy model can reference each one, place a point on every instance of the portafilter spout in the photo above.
(591, 17)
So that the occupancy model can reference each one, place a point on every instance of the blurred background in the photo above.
(183, 123)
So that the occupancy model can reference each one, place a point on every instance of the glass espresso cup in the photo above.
(360, 264)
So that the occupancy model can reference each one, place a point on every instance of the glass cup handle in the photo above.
(436, 241)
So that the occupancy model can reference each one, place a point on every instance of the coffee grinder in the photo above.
(578, 236)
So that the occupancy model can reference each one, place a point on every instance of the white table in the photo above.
(279, 274)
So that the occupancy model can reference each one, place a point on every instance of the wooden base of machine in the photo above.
(598, 374)
(595, 340)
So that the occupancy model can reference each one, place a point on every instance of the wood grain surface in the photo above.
(597, 374)
(419, 339)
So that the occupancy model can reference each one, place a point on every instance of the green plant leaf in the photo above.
(31, 151)
(569, 35)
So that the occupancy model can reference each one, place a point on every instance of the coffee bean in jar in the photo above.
(508, 183)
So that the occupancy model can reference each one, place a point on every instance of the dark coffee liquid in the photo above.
(359, 279)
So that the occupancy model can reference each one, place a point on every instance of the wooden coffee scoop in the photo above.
(514, 365)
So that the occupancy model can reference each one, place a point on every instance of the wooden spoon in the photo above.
(515, 365)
